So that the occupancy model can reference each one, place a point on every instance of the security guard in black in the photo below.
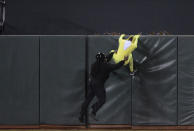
(100, 71)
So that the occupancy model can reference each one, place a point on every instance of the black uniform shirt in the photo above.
(100, 71)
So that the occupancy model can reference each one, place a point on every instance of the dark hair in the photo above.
(100, 57)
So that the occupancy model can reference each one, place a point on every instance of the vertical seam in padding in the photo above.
(131, 100)
(39, 76)
(86, 75)
(177, 87)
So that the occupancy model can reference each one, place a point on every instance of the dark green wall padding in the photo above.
(43, 81)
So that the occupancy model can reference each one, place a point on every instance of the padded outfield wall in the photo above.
(43, 81)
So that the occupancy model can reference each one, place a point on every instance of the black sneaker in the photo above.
(81, 119)
(132, 73)
(93, 116)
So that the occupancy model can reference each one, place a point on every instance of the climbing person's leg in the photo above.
(130, 58)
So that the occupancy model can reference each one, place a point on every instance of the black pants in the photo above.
(94, 89)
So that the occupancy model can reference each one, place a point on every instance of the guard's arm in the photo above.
(118, 65)
(109, 56)
(112, 67)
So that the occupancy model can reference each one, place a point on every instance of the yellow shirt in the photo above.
(126, 47)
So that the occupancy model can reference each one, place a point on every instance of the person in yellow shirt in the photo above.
(126, 47)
